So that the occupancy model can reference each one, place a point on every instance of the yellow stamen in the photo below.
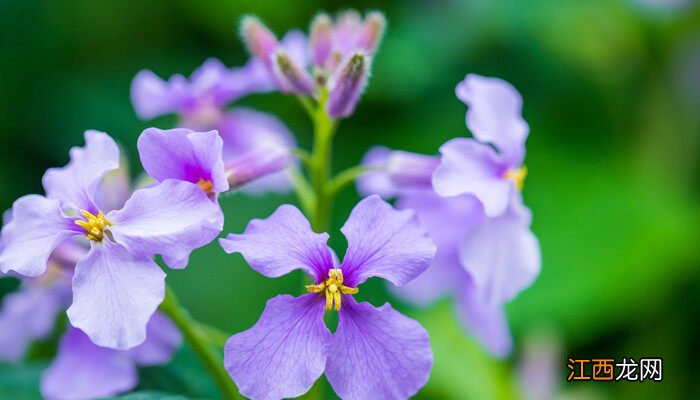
(517, 176)
(205, 185)
(333, 288)
(94, 226)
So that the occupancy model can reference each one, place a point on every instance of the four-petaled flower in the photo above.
(116, 286)
(469, 201)
(375, 352)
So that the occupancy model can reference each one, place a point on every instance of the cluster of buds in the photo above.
(333, 65)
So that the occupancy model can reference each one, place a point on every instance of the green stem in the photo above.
(199, 344)
(345, 178)
(304, 191)
(324, 129)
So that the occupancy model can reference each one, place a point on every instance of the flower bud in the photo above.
(257, 163)
(259, 40)
(321, 39)
(411, 170)
(348, 85)
(291, 77)
(372, 32)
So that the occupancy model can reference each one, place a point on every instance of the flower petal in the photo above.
(284, 353)
(29, 314)
(184, 155)
(84, 371)
(152, 96)
(114, 189)
(75, 185)
(171, 219)
(244, 129)
(488, 323)
(378, 353)
(495, 115)
(281, 243)
(162, 341)
(114, 295)
(502, 255)
(384, 242)
(470, 167)
(376, 180)
(36, 229)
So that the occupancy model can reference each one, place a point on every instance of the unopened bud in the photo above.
(291, 77)
(321, 39)
(372, 32)
(348, 86)
(259, 40)
(256, 164)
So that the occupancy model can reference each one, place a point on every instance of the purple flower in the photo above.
(336, 60)
(117, 286)
(83, 370)
(200, 100)
(256, 146)
(468, 202)
(396, 171)
(375, 352)
(182, 154)
(472, 166)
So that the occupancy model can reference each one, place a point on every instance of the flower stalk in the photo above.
(199, 341)
(324, 130)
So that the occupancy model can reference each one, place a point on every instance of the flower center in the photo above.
(94, 225)
(517, 176)
(205, 185)
(333, 288)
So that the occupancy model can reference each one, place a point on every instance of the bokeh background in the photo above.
(611, 92)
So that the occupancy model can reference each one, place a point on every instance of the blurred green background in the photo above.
(611, 91)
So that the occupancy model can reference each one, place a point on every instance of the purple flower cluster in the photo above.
(375, 352)
(88, 246)
(469, 199)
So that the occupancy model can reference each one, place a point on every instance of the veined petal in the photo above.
(470, 167)
(284, 353)
(488, 323)
(75, 184)
(281, 243)
(183, 155)
(495, 115)
(447, 219)
(151, 96)
(502, 255)
(171, 219)
(377, 353)
(84, 371)
(38, 226)
(162, 341)
(384, 242)
(114, 295)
